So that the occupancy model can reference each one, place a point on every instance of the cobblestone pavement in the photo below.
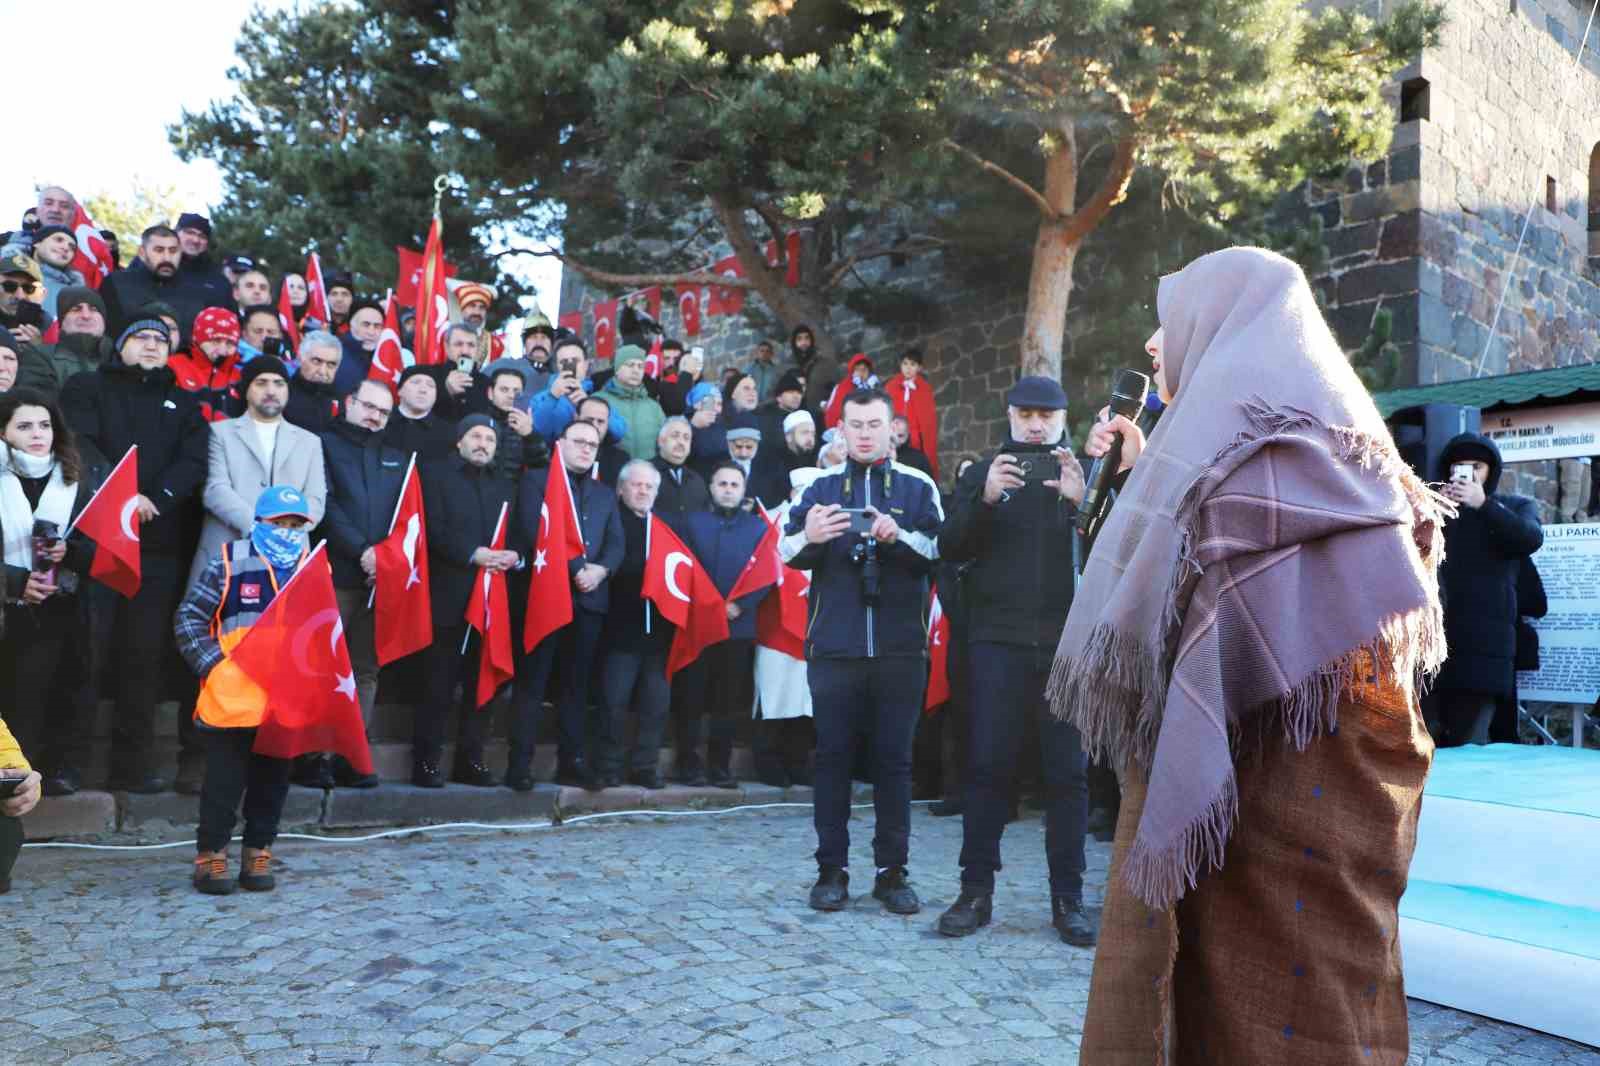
(681, 940)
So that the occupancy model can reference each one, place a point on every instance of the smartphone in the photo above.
(568, 365)
(466, 365)
(1039, 468)
(9, 786)
(1461, 473)
(861, 519)
(523, 402)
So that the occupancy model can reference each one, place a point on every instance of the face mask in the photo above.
(279, 546)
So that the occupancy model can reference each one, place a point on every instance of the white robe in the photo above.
(781, 687)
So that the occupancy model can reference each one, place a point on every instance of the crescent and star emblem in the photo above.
(675, 560)
(128, 510)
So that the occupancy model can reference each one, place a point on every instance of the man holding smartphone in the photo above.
(866, 649)
(570, 385)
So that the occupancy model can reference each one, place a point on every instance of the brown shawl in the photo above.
(1267, 537)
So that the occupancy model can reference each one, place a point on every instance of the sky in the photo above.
(115, 126)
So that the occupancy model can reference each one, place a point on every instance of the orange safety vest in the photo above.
(229, 699)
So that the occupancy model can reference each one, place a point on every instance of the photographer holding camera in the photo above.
(867, 532)
(1012, 519)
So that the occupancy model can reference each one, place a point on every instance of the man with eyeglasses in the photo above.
(21, 298)
(365, 476)
(313, 398)
(136, 400)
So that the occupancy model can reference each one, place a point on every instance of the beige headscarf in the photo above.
(1268, 535)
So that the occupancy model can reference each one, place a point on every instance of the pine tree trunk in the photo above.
(1055, 249)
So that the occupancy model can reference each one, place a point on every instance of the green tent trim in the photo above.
(1504, 391)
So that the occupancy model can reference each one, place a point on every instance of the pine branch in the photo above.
(1004, 175)
(1112, 191)
(634, 281)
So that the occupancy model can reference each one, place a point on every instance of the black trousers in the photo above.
(577, 644)
(31, 655)
(874, 701)
(444, 665)
(11, 837)
(635, 686)
(782, 748)
(141, 633)
(1457, 717)
(721, 689)
(234, 772)
(1008, 684)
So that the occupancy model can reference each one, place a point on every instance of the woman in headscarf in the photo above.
(1262, 703)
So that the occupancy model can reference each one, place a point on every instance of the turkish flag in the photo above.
(286, 319)
(781, 618)
(938, 656)
(403, 621)
(489, 612)
(432, 298)
(572, 320)
(111, 520)
(727, 301)
(387, 360)
(409, 275)
(317, 292)
(699, 612)
(605, 329)
(689, 311)
(652, 360)
(296, 652)
(764, 565)
(559, 541)
(93, 259)
(51, 335)
(791, 249)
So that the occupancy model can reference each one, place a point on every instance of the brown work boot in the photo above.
(211, 873)
(255, 870)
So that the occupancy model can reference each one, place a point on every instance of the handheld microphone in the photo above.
(1128, 391)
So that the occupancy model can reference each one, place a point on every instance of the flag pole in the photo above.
(498, 525)
(410, 468)
(132, 450)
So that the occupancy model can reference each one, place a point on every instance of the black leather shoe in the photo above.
(800, 775)
(1102, 824)
(610, 779)
(832, 890)
(895, 893)
(519, 779)
(722, 777)
(1072, 921)
(64, 782)
(425, 774)
(970, 912)
(947, 808)
(691, 774)
(313, 771)
(147, 785)
(347, 776)
(650, 779)
(577, 775)
(474, 773)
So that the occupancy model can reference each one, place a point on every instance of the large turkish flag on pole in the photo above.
(286, 319)
(409, 274)
(93, 258)
(432, 298)
(317, 293)
(296, 652)
(489, 612)
(699, 611)
(558, 542)
(111, 520)
(605, 329)
(387, 361)
(403, 620)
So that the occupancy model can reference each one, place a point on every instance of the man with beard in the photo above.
(313, 397)
(21, 284)
(210, 368)
(415, 426)
(340, 286)
(152, 276)
(200, 283)
(45, 368)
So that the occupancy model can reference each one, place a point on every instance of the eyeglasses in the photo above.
(382, 412)
(28, 287)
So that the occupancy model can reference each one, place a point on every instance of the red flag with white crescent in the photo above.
(408, 275)
(317, 292)
(111, 520)
(685, 595)
(938, 656)
(727, 301)
(489, 612)
(689, 311)
(93, 258)
(791, 251)
(605, 329)
(571, 320)
(387, 360)
(432, 299)
(558, 542)
(764, 565)
(296, 652)
(652, 360)
(286, 319)
(781, 618)
(403, 618)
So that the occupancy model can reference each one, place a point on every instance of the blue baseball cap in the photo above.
(282, 501)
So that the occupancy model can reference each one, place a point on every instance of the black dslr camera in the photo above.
(864, 554)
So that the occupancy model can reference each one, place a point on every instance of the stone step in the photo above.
(84, 814)
(391, 759)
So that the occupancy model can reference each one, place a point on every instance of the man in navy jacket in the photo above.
(866, 643)
(720, 681)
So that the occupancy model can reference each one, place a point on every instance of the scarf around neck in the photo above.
(17, 515)
(1268, 543)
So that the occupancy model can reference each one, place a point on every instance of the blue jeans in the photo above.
(1008, 683)
(876, 701)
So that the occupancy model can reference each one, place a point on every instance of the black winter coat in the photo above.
(625, 621)
(431, 437)
(1483, 553)
(117, 406)
(1019, 586)
(598, 520)
(314, 408)
(679, 499)
(463, 503)
(127, 290)
(365, 476)
(724, 541)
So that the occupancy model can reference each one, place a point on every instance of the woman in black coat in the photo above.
(1484, 548)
